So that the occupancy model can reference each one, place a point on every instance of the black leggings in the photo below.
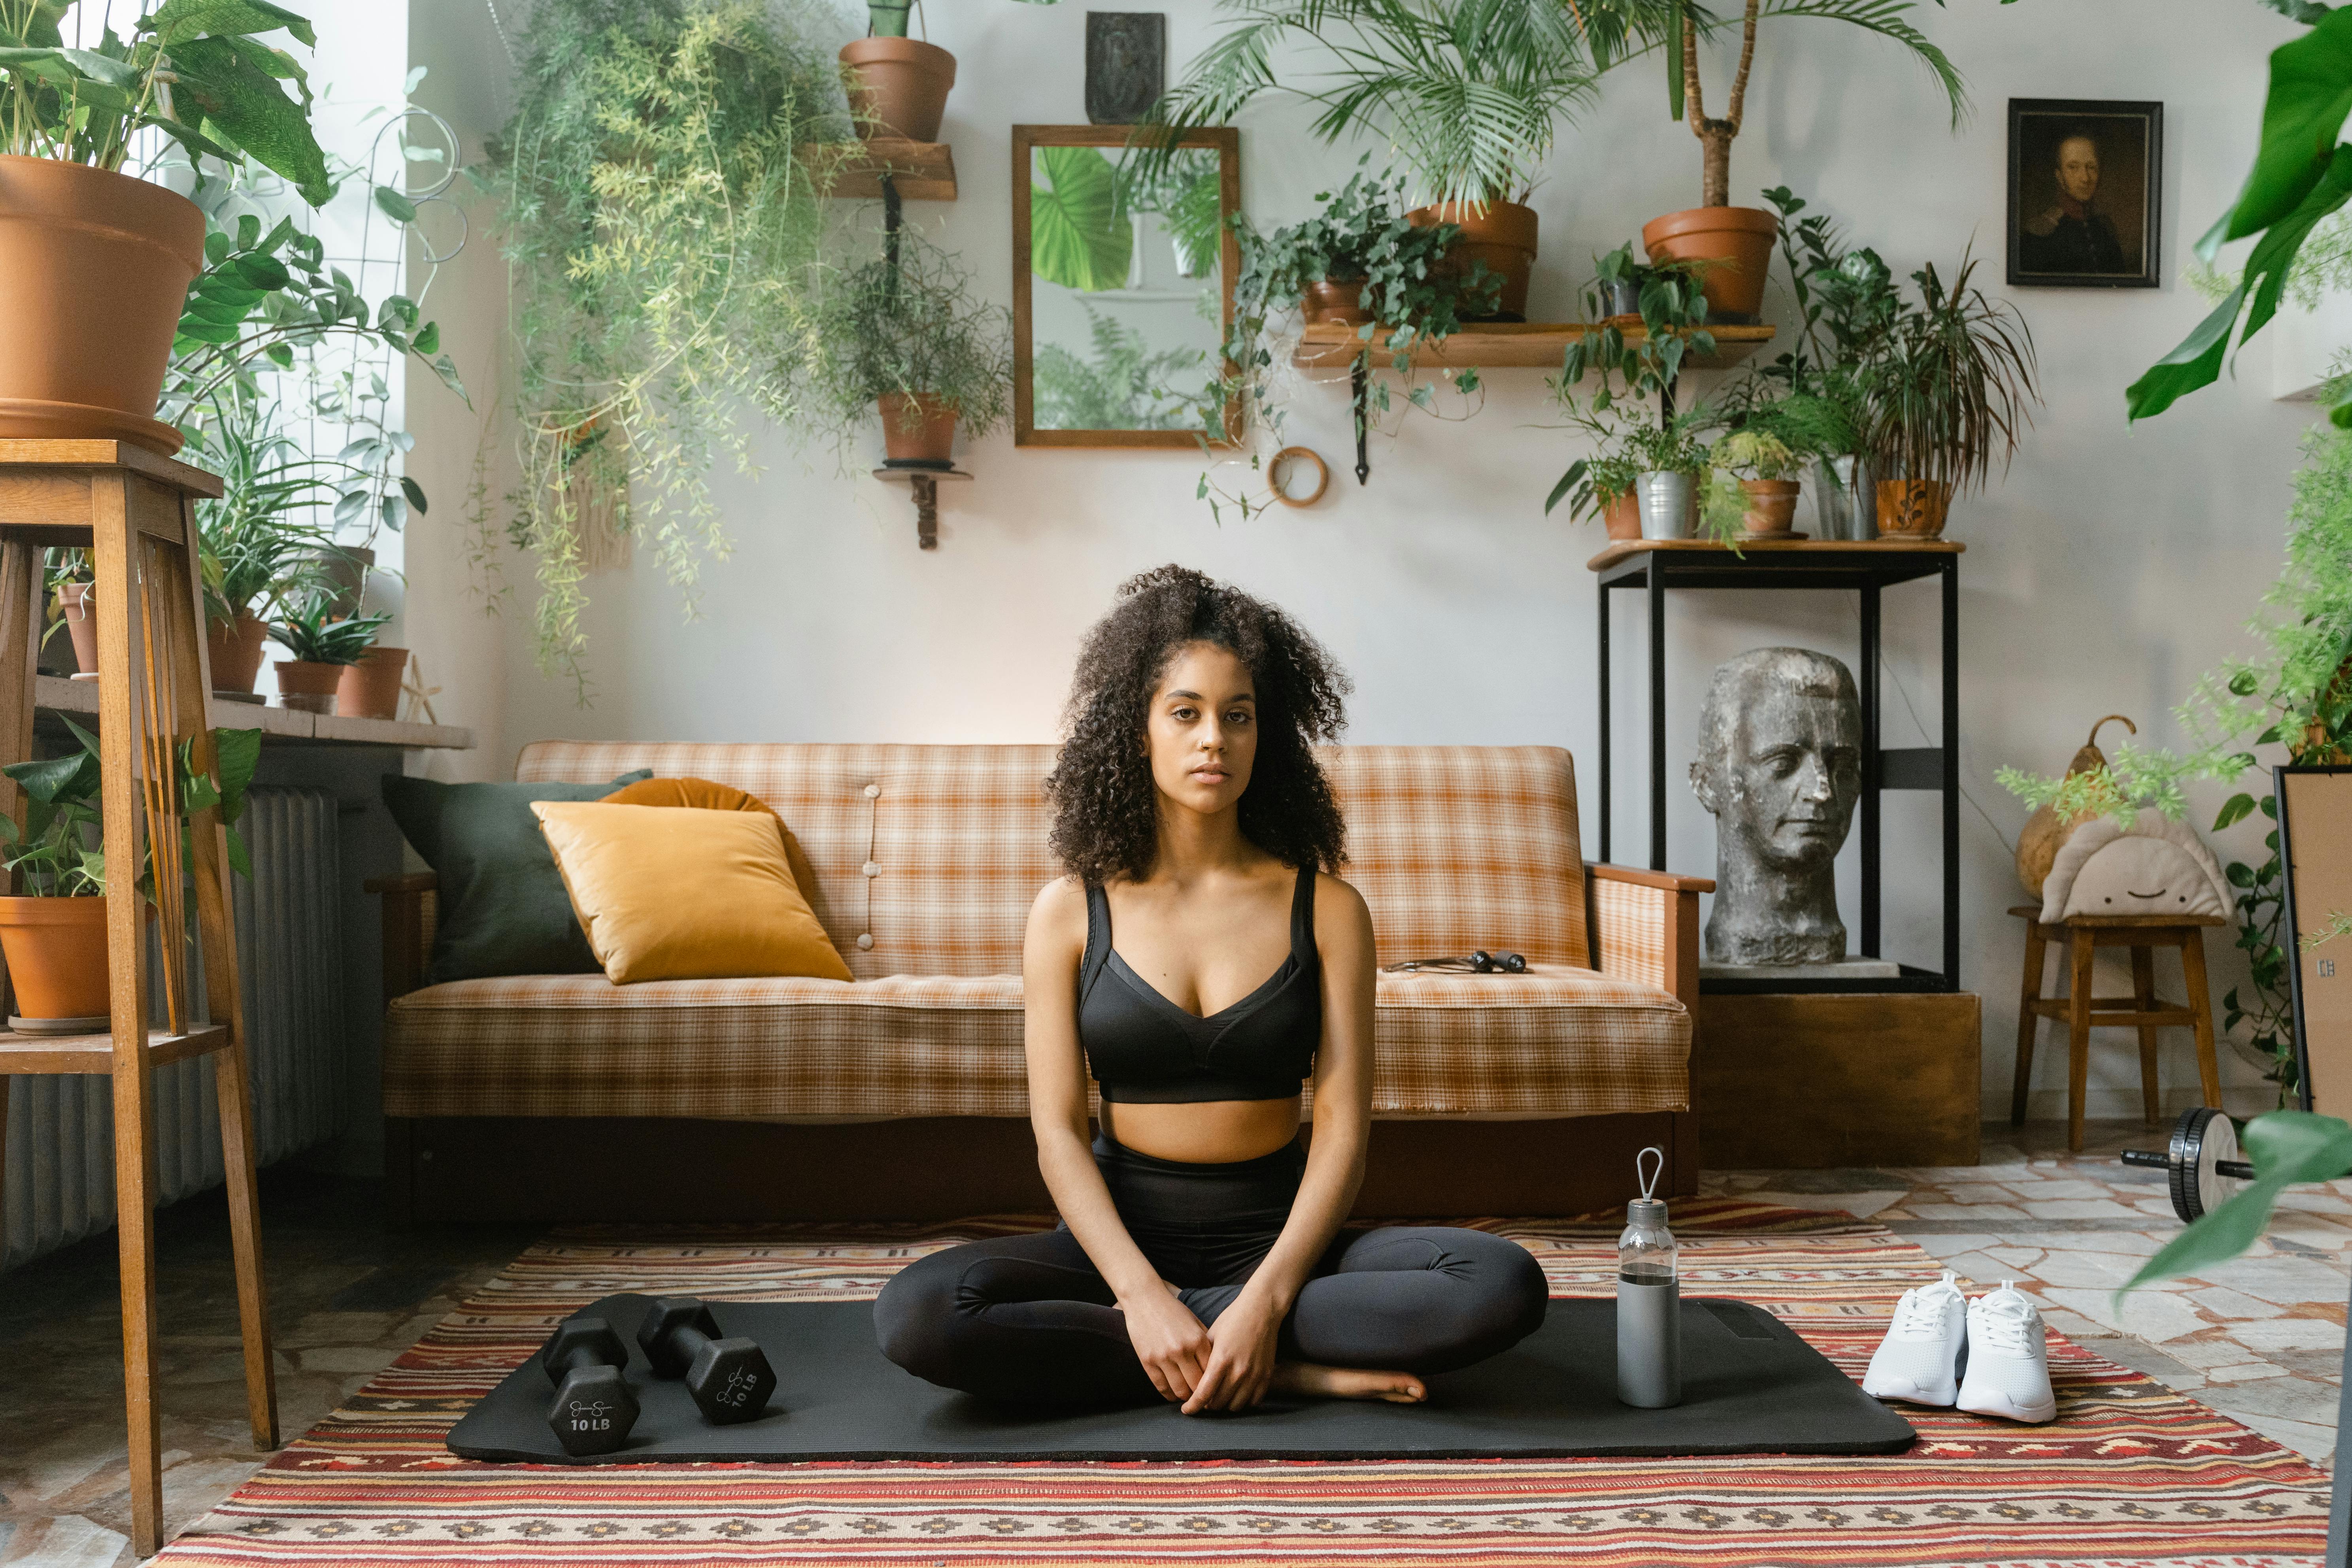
(1028, 1320)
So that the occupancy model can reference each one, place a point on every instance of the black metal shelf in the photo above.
(1653, 566)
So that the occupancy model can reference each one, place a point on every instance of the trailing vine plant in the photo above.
(663, 239)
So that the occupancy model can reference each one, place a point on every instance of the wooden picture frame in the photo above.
(1226, 142)
(2112, 239)
(2314, 827)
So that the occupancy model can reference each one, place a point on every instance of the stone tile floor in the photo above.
(2261, 1337)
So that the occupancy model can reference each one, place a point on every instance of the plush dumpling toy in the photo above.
(2155, 867)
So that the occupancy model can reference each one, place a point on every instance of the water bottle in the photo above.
(1649, 1300)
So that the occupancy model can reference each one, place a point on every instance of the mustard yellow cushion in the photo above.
(684, 893)
(708, 794)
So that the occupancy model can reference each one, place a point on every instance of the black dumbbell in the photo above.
(729, 1378)
(2202, 1163)
(588, 1361)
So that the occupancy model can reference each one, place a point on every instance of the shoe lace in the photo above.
(1921, 1314)
(2004, 1317)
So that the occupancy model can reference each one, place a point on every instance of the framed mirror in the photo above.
(1122, 285)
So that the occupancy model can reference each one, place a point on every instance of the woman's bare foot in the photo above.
(1309, 1381)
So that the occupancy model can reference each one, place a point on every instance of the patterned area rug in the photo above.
(2130, 1472)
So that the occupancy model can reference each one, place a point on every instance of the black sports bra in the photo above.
(1146, 1050)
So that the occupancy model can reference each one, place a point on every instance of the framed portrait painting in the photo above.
(2085, 178)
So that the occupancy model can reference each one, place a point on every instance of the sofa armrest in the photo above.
(411, 905)
(1645, 926)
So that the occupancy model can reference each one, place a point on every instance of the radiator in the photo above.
(59, 1184)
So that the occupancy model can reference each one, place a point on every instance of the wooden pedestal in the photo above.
(1804, 1082)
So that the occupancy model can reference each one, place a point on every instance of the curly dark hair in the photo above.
(1106, 810)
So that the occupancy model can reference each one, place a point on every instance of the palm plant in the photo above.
(1470, 94)
(1685, 92)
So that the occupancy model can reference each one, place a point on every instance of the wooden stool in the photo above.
(2083, 1012)
(134, 512)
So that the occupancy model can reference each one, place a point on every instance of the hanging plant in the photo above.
(662, 240)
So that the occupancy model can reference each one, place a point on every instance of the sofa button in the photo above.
(872, 867)
(874, 791)
(865, 939)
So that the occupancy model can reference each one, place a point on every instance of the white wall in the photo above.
(2103, 573)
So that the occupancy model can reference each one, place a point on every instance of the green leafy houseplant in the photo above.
(662, 240)
(912, 328)
(1814, 394)
(311, 634)
(1469, 95)
(1628, 371)
(2301, 175)
(54, 854)
(196, 71)
(1951, 389)
(1759, 454)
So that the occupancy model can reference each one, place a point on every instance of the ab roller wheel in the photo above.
(2202, 1162)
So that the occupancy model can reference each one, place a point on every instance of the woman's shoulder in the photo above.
(1059, 910)
(1340, 908)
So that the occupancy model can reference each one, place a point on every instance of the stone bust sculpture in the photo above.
(1780, 764)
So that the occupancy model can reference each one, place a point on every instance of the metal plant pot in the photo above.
(1669, 505)
(1844, 498)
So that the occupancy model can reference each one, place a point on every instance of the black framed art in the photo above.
(2315, 827)
(2085, 186)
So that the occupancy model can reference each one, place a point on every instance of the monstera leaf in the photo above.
(1079, 235)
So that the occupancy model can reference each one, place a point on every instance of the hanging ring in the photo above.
(1296, 455)
(1650, 1182)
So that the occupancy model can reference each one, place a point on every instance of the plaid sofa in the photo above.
(921, 862)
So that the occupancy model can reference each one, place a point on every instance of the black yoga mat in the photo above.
(1749, 1387)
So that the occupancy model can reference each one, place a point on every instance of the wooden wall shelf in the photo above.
(922, 170)
(1501, 345)
(57, 694)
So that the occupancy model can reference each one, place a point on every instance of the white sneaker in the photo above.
(1918, 1361)
(2008, 1366)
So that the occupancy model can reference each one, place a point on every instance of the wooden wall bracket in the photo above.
(925, 483)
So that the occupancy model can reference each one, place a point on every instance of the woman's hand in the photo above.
(1168, 1340)
(1241, 1357)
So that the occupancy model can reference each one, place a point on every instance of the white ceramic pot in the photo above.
(1669, 505)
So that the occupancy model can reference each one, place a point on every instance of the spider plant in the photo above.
(262, 540)
(1469, 94)
(306, 631)
(1952, 387)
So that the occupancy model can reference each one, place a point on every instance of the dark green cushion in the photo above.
(503, 907)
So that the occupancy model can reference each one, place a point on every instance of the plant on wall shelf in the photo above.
(662, 240)
(1359, 262)
(908, 333)
(311, 633)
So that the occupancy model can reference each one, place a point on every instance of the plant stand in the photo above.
(134, 512)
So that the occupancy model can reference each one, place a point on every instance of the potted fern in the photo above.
(1766, 466)
(323, 649)
(907, 337)
(95, 264)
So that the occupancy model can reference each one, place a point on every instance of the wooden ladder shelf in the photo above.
(134, 513)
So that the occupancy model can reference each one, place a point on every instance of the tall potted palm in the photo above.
(1470, 95)
(1738, 241)
(95, 264)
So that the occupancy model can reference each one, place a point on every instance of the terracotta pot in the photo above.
(1738, 240)
(1912, 509)
(1339, 304)
(899, 87)
(371, 689)
(307, 687)
(1771, 507)
(917, 429)
(235, 647)
(57, 956)
(94, 269)
(1502, 234)
(81, 624)
(1622, 517)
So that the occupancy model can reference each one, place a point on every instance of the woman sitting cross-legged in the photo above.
(1204, 961)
